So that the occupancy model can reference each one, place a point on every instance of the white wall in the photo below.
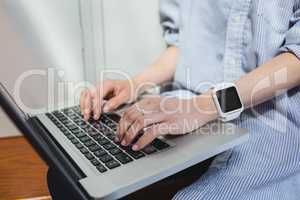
(132, 34)
(126, 35)
(37, 34)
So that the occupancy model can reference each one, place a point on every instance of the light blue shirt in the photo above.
(221, 40)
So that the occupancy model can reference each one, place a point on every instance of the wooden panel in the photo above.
(22, 173)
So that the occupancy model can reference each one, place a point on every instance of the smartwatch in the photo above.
(228, 101)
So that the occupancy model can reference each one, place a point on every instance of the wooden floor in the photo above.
(22, 173)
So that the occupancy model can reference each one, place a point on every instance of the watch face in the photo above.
(229, 99)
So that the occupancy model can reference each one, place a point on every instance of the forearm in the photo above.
(262, 84)
(162, 70)
(269, 80)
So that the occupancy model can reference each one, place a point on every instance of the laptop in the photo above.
(98, 168)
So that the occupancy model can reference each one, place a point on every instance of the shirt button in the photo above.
(220, 56)
(231, 61)
(236, 19)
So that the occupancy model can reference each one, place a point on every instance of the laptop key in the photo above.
(85, 139)
(94, 148)
(76, 131)
(115, 151)
(74, 141)
(95, 162)
(112, 164)
(84, 151)
(108, 146)
(100, 153)
(93, 133)
(71, 127)
(97, 137)
(135, 154)
(105, 158)
(65, 121)
(89, 143)
(55, 122)
(80, 134)
(79, 145)
(88, 130)
(70, 137)
(111, 136)
(60, 126)
(149, 149)
(101, 168)
(114, 117)
(160, 145)
(63, 129)
(73, 116)
(81, 123)
(66, 133)
(89, 156)
(102, 141)
(123, 158)
(84, 126)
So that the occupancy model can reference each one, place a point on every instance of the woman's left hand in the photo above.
(158, 115)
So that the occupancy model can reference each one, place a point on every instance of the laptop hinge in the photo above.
(56, 158)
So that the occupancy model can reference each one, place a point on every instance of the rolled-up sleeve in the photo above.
(292, 38)
(170, 19)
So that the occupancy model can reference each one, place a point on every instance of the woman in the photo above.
(254, 44)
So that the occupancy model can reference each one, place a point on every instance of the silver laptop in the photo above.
(112, 171)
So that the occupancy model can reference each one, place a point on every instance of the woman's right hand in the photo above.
(106, 97)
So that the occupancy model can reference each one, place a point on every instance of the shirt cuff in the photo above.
(171, 37)
(292, 48)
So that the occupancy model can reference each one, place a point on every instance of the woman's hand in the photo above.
(116, 92)
(163, 115)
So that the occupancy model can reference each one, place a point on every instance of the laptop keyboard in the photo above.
(95, 139)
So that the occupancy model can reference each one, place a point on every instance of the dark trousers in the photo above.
(164, 189)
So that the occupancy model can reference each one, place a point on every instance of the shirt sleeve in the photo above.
(292, 38)
(169, 19)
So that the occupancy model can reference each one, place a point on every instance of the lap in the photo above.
(266, 167)
(164, 189)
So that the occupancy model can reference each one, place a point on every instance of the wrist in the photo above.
(139, 84)
(206, 106)
(143, 83)
(137, 80)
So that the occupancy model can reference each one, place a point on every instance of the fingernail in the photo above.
(95, 117)
(117, 139)
(106, 108)
(135, 147)
(123, 143)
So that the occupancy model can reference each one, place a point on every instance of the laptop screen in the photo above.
(9, 105)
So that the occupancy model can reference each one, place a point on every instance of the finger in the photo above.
(82, 100)
(87, 106)
(103, 92)
(126, 121)
(98, 95)
(96, 104)
(141, 122)
(149, 135)
(114, 103)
